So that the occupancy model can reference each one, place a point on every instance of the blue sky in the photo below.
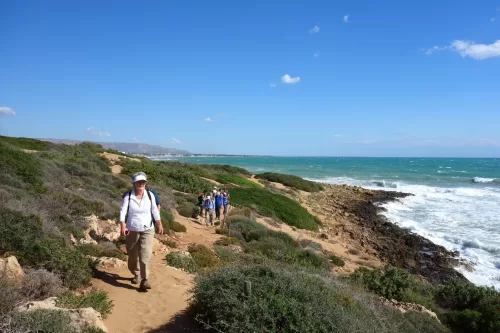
(363, 78)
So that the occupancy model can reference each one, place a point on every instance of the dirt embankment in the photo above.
(351, 213)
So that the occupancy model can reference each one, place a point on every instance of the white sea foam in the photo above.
(462, 218)
(483, 180)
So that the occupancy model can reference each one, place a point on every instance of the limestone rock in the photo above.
(404, 307)
(10, 266)
(159, 247)
(100, 229)
(79, 317)
(107, 262)
(111, 236)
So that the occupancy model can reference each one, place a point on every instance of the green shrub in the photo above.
(98, 300)
(243, 226)
(187, 210)
(389, 282)
(337, 261)
(23, 165)
(231, 179)
(221, 231)
(225, 241)
(459, 294)
(40, 320)
(203, 257)
(25, 237)
(307, 243)
(291, 181)
(177, 227)
(170, 243)
(282, 300)
(270, 204)
(181, 260)
(99, 250)
(26, 143)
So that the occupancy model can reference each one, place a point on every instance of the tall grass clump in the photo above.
(98, 300)
(270, 204)
(291, 181)
(266, 298)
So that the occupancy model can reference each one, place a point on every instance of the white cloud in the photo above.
(6, 111)
(208, 119)
(272, 85)
(476, 51)
(346, 18)
(314, 30)
(176, 141)
(95, 132)
(134, 139)
(316, 54)
(338, 135)
(470, 49)
(290, 80)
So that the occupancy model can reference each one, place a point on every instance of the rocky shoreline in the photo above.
(354, 212)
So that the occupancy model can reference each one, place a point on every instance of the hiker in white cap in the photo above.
(209, 206)
(138, 214)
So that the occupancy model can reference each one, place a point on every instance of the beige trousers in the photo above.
(140, 246)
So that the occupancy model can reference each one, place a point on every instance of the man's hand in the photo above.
(160, 227)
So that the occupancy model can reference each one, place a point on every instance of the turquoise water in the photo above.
(456, 201)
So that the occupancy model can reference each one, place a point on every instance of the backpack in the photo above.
(148, 191)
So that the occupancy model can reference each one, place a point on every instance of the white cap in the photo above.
(139, 176)
(208, 197)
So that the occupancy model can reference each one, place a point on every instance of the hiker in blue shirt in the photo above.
(209, 205)
(218, 205)
(225, 204)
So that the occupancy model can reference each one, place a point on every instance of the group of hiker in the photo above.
(212, 203)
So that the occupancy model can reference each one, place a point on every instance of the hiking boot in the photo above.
(145, 285)
(135, 279)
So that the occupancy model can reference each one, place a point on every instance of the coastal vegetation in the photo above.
(254, 279)
(291, 181)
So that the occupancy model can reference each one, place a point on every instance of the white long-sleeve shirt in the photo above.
(139, 212)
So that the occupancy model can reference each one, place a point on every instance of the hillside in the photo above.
(290, 261)
(127, 147)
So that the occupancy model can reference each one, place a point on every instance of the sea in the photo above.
(456, 201)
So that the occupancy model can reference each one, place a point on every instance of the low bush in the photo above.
(25, 237)
(98, 300)
(181, 260)
(236, 180)
(242, 226)
(291, 181)
(177, 227)
(337, 261)
(459, 294)
(169, 224)
(389, 282)
(101, 250)
(170, 243)
(187, 210)
(40, 320)
(270, 204)
(24, 166)
(225, 241)
(27, 143)
(307, 243)
(40, 284)
(203, 257)
(263, 298)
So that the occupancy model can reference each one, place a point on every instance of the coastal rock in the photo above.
(404, 307)
(80, 318)
(159, 247)
(11, 268)
(107, 262)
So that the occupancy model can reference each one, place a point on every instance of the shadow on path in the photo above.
(113, 279)
(180, 323)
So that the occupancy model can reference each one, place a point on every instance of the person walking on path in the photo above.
(201, 200)
(138, 214)
(218, 205)
(225, 204)
(209, 206)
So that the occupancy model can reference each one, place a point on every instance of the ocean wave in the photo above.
(473, 244)
(483, 180)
